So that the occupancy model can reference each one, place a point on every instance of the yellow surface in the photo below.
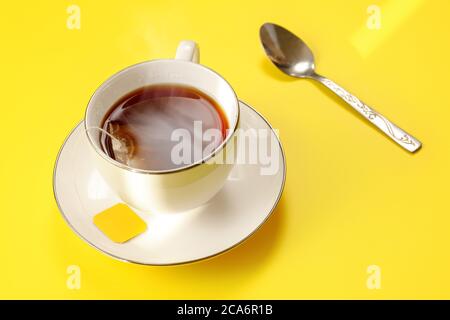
(119, 223)
(353, 198)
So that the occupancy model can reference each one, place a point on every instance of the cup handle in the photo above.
(188, 51)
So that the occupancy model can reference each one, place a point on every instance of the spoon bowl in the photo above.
(287, 51)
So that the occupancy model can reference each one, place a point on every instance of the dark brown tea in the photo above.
(143, 122)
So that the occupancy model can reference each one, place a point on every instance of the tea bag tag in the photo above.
(119, 223)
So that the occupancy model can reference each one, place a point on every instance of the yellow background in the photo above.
(352, 199)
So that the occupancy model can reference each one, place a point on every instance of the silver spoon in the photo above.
(292, 56)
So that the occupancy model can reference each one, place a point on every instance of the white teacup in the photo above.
(168, 190)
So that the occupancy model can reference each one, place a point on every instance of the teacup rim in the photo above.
(167, 171)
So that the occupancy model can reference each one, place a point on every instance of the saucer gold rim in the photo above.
(269, 214)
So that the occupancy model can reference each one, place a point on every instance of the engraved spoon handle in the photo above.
(391, 130)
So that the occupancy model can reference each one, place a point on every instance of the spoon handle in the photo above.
(391, 130)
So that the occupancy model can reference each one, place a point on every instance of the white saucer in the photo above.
(234, 214)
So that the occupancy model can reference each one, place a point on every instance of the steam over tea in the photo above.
(142, 123)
